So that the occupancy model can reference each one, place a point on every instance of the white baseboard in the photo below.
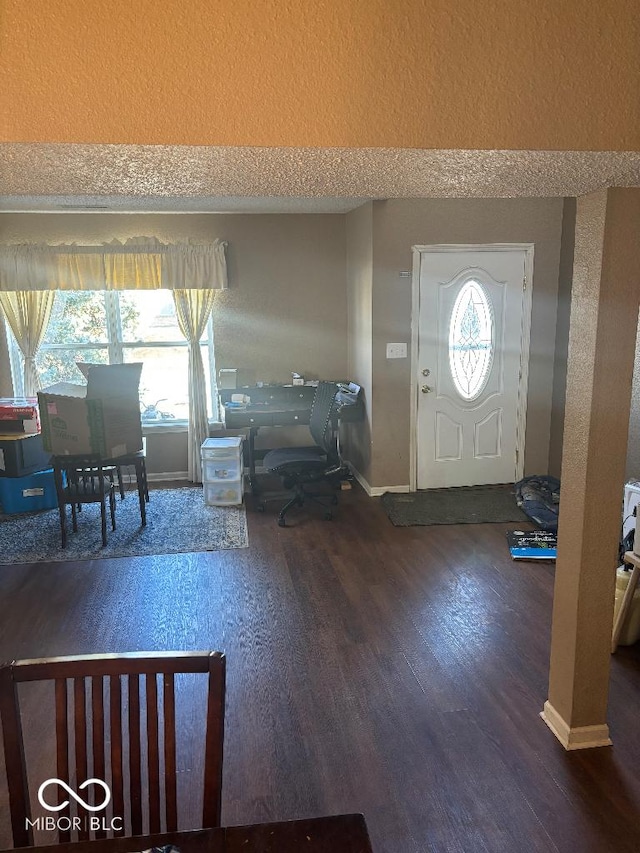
(372, 491)
(167, 476)
(376, 491)
(580, 737)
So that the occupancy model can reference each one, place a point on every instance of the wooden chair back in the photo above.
(109, 737)
(80, 478)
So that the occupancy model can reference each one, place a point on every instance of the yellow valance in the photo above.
(139, 263)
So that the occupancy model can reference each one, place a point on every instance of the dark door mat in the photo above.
(467, 505)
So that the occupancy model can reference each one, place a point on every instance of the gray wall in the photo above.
(565, 279)
(322, 295)
(400, 224)
(633, 448)
(359, 230)
(286, 307)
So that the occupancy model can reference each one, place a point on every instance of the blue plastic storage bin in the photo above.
(28, 494)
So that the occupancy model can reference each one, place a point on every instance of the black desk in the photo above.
(272, 406)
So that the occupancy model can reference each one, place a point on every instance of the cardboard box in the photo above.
(102, 416)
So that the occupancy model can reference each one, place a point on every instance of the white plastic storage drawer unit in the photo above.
(222, 471)
(227, 493)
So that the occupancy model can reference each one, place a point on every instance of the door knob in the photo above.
(426, 371)
(426, 389)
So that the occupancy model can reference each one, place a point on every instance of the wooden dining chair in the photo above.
(114, 723)
(81, 479)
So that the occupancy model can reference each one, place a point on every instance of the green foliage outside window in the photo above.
(79, 317)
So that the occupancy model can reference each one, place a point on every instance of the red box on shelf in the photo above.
(19, 415)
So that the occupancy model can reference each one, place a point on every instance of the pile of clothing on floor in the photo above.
(539, 498)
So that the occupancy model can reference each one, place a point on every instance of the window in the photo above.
(471, 340)
(115, 327)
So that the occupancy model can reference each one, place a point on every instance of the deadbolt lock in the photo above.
(426, 371)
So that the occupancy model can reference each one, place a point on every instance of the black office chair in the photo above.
(300, 466)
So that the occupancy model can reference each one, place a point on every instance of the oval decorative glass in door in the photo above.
(471, 340)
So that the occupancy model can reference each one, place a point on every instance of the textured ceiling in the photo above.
(190, 178)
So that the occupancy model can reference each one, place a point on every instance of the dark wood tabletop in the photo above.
(335, 834)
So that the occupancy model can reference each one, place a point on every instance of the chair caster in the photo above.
(282, 522)
(328, 516)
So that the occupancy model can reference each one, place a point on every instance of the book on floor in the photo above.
(532, 544)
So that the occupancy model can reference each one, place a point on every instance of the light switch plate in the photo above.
(396, 350)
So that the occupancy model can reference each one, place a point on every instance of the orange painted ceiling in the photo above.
(466, 74)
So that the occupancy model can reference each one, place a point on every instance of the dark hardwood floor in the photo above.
(397, 672)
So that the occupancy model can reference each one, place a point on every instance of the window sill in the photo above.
(167, 427)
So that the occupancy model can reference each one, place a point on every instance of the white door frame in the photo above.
(521, 421)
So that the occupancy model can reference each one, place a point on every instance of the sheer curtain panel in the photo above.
(28, 317)
(193, 308)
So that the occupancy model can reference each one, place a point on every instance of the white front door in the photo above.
(472, 316)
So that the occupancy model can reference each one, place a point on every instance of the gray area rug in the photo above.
(178, 522)
(468, 505)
